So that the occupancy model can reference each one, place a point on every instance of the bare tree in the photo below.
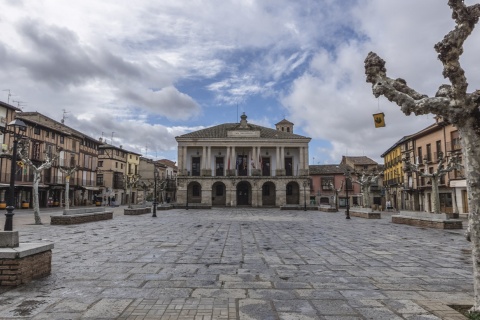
(453, 103)
(68, 173)
(23, 153)
(131, 182)
(366, 180)
(442, 169)
(336, 192)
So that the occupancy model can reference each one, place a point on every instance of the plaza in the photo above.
(243, 263)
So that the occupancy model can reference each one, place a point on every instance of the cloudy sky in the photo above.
(146, 71)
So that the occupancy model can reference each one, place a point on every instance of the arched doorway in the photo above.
(194, 192)
(219, 195)
(243, 194)
(268, 194)
(293, 193)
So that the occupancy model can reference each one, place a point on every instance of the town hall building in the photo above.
(242, 164)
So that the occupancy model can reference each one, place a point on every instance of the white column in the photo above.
(209, 157)
(306, 157)
(257, 160)
(204, 158)
(185, 159)
(302, 158)
(278, 158)
(226, 160)
(179, 157)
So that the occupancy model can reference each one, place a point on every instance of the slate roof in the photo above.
(325, 169)
(284, 121)
(220, 132)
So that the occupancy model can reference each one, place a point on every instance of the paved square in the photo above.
(244, 263)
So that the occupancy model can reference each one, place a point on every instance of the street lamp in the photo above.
(304, 196)
(18, 125)
(347, 176)
(154, 191)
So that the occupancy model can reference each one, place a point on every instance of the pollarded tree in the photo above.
(68, 173)
(23, 153)
(366, 180)
(336, 192)
(453, 103)
(453, 163)
(131, 182)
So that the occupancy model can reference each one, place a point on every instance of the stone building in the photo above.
(46, 136)
(242, 164)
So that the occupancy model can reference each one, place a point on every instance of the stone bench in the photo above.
(83, 215)
(193, 206)
(427, 220)
(164, 207)
(327, 208)
(137, 210)
(365, 213)
(23, 262)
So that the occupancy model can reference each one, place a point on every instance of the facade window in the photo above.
(74, 145)
(99, 179)
(219, 190)
(439, 148)
(455, 144)
(121, 166)
(47, 134)
(266, 190)
(101, 151)
(130, 167)
(288, 129)
(116, 164)
(62, 139)
(196, 166)
(327, 182)
(420, 156)
(36, 151)
(36, 130)
(265, 165)
(53, 135)
(219, 166)
(289, 190)
(429, 152)
(100, 163)
(289, 166)
(196, 190)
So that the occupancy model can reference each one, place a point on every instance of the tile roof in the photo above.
(220, 132)
(327, 169)
(361, 160)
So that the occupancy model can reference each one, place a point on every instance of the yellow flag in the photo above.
(379, 119)
(20, 164)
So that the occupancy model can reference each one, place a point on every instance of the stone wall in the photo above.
(428, 223)
(80, 218)
(14, 272)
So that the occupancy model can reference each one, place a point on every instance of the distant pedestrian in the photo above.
(389, 205)
(109, 201)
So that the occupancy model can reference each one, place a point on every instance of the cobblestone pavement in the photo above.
(244, 264)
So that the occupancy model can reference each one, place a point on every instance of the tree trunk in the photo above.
(67, 195)
(36, 204)
(470, 140)
(435, 194)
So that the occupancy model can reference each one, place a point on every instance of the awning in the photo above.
(91, 188)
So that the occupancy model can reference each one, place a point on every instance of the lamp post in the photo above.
(154, 214)
(347, 176)
(304, 196)
(18, 125)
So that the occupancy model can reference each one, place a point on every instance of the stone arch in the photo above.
(269, 194)
(194, 192)
(244, 193)
(219, 194)
(293, 193)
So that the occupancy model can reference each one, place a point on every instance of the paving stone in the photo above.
(231, 263)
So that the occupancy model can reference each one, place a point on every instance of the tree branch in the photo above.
(451, 47)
